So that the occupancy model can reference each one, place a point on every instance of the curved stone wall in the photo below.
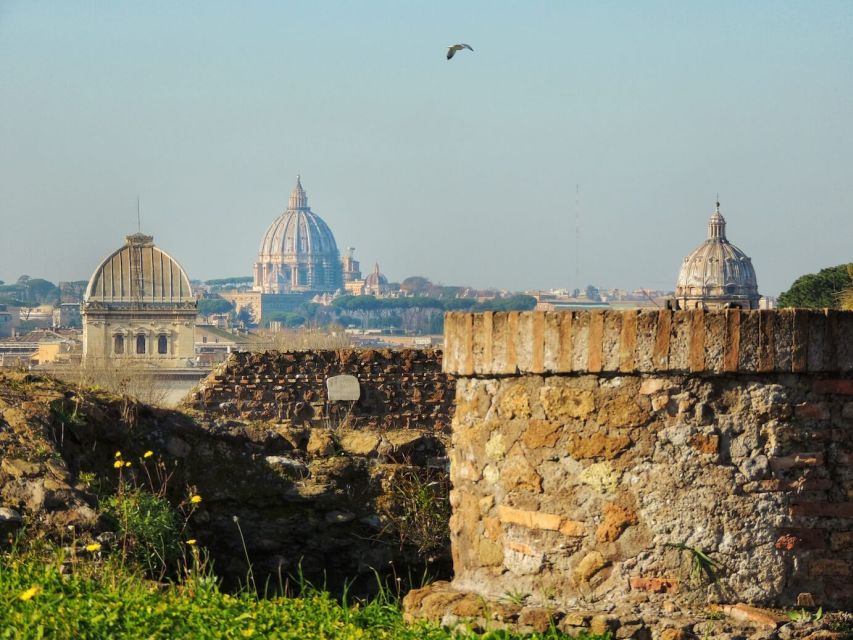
(692, 456)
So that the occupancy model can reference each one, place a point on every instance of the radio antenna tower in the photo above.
(577, 235)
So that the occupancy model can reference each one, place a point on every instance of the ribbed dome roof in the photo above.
(375, 278)
(298, 231)
(139, 272)
(717, 269)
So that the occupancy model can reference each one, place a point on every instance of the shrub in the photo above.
(149, 530)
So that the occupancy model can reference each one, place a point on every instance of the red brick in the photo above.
(805, 459)
(823, 509)
(841, 540)
(831, 567)
(814, 410)
(654, 585)
(709, 444)
(806, 484)
(842, 387)
(801, 539)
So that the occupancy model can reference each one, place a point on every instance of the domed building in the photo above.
(717, 275)
(139, 308)
(375, 284)
(298, 252)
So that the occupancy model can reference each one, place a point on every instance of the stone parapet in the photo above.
(698, 341)
(687, 457)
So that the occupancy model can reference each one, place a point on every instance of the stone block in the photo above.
(663, 340)
(521, 559)
(524, 341)
(580, 342)
(646, 327)
(551, 342)
(596, 445)
(766, 348)
(529, 519)
(817, 327)
(359, 443)
(748, 359)
(731, 350)
(589, 565)
(565, 403)
(715, 340)
(615, 519)
(611, 344)
(541, 433)
(628, 342)
(343, 388)
(595, 342)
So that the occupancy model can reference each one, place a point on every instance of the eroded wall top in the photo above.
(730, 341)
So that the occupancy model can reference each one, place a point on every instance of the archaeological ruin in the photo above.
(605, 458)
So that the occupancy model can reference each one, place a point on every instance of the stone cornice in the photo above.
(698, 341)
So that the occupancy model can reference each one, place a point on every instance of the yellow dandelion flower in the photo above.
(95, 546)
(192, 541)
(118, 454)
(195, 499)
(126, 464)
(147, 454)
(29, 594)
(117, 464)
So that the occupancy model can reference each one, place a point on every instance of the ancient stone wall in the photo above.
(399, 388)
(625, 456)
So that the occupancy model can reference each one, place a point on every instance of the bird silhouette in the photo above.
(457, 47)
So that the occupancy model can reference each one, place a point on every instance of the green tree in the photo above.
(847, 294)
(208, 306)
(821, 290)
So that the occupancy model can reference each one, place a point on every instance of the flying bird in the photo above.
(457, 47)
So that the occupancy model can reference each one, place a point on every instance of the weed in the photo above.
(515, 597)
(703, 568)
(149, 529)
(417, 509)
(801, 615)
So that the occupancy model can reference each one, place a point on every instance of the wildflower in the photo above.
(118, 454)
(147, 454)
(95, 546)
(126, 464)
(195, 499)
(29, 594)
(117, 464)
(192, 541)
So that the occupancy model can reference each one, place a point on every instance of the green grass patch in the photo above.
(105, 599)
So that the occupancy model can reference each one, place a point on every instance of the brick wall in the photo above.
(399, 389)
(596, 455)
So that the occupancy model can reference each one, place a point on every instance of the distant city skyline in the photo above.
(462, 171)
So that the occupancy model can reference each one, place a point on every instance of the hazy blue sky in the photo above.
(462, 171)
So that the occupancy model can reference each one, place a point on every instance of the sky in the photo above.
(580, 142)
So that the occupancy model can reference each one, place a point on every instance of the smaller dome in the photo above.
(139, 272)
(717, 273)
(376, 279)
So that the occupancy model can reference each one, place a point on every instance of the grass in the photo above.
(104, 599)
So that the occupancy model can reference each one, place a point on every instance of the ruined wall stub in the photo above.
(595, 453)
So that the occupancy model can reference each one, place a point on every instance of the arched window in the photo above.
(140, 344)
(162, 345)
(118, 343)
